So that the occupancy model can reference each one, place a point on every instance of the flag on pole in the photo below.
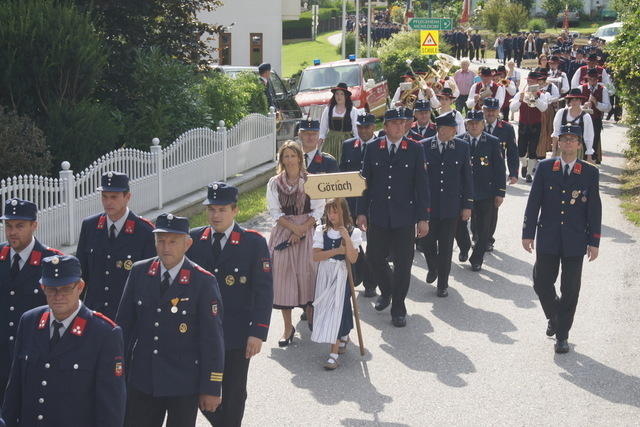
(466, 6)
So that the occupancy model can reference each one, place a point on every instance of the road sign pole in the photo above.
(344, 28)
(369, 17)
(357, 29)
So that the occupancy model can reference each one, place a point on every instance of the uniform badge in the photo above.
(118, 371)
(35, 258)
(153, 268)
(174, 303)
(214, 307)
(556, 166)
(317, 158)
(185, 277)
(572, 202)
(584, 199)
(129, 226)
(577, 168)
(4, 253)
(118, 264)
(234, 238)
(230, 280)
(128, 265)
(102, 222)
(183, 328)
(575, 194)
(206, 233)
(266, 266)
(243, 279)
(404, 145)
(78, 325)
(55, 260)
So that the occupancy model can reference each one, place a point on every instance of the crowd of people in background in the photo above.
(382, 27)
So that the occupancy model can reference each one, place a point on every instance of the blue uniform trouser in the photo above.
(545, 272)
(145, 410)
(438, 247)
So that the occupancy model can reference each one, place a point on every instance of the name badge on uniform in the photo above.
(128, 265)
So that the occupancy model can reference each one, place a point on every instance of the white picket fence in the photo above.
(160, 176)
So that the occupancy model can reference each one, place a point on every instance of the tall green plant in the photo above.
(514, 16)
(22, 145)
(50, 55)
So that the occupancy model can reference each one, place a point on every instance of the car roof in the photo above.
(235, 68)
(615, 24)
(358, 61)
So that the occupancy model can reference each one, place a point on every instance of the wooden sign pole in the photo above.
(354, 303)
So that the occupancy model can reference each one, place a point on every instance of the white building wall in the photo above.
(249, 16)
(588, 6)
(290, 10)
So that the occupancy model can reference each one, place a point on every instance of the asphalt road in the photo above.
(480, 356)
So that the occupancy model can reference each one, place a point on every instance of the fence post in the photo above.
(156, 151)
(274, 129)
(67, 183)
(222, 129)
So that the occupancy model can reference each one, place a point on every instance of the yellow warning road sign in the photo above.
(429, 42)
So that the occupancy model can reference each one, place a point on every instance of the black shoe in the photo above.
(303, 316)
(382, 303)
(399, 321)
(476, 267)
(443, 292)
(463, 256)
(432, 275)
(523, 171)
(562, 346)
(551, 328)
(286, 342)
(370, 292)
(489, 247)
(529, 178)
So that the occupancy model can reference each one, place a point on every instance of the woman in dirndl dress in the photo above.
(338, 121)
(332, 242)
(545, 141)
(291, 241)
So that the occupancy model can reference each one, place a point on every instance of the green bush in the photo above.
(49, 54)
(300, 29)
(166, 101)
(538, 24)
(350, 45)
(80, 133)
(512, 18)
(23, 147)
(252, 96)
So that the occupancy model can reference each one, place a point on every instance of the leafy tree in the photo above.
(492, 14)
(22, 145)
(50, 55)
(513, 17)
(553, 7)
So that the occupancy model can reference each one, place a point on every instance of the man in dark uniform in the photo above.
(508, 47)
(395, 199)
(315, 160)
(518, 48)
(564, 209)
(506, 134)
(240, 260)
(350, 161)
(423, 127)
(449, 169)
(68, 365)
(109, 244)
(20, 271)
(264, 70)
(489, 181)
(171, 317)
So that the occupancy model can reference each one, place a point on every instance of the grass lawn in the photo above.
(631, 190)
(583, 27)
(250, 204)
(294, 54)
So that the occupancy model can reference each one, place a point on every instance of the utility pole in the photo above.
(344, 29)
(369, 17)
(357, 29)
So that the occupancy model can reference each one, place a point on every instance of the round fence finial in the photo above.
(65, 165)
(221, 123)
(272, 109)
(155, 141)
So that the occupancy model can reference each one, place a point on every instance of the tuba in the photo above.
(410, 92)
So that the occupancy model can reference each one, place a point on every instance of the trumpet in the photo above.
(505, 82)
(586, 108)
(531, 95)
(485, 93)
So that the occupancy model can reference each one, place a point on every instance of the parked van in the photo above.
(609, 32)
(363, 76)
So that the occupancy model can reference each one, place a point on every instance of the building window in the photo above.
(255, 49)
(224, 49)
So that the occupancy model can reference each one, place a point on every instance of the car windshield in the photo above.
(608, 32)
(326, 77)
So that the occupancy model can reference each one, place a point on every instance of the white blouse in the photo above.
(273, 204)
(324, 121)
(587, 130)
(318, 240)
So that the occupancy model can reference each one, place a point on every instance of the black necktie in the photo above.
(112, 232)
(443, 145)
(217, 244)
(306, 159)
(421, 130)
(15, 266)
(566, 171)
(393, 151)
(166, 282)
(474, 144)
(489, 128)
(56, 333)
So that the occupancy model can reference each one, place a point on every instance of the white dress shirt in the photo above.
(65, 323)
(24, 254)
(224, 238)
(119, 223)
(324, 121)
(173, 272)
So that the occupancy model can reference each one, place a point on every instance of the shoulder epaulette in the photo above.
(55, 251)
(147, 221)
(105, 318)
(202, 270)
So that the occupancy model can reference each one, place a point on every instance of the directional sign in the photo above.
(329, 185)
(429, 42)
(438, 24)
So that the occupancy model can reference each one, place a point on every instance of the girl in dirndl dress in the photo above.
(332, 242)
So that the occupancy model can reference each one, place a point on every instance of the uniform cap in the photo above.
(19, 209)
(219, 193)
(570, 130)
(310, 125)
(265, 66)
(447, 119)
(114, 181)
(491, 103)
(169, 223)
(422, 105)
(366, 119)
(394, 114)
(60, 270)
(475, 115)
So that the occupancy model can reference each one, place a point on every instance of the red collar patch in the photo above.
(78, 325)
(234, 239)
(404, 144)
(129, 226)
(357, 143)
(184, 277)
(577, 168)
(500, 123)
(382, 144)
(35, 258)
(102, 222)
(44, 319)
(153, 268)
(556, 166)
(4, 253)
(317, 158)
(206, 234)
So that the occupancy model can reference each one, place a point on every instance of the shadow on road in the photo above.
(352, 422)
(598, 379)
